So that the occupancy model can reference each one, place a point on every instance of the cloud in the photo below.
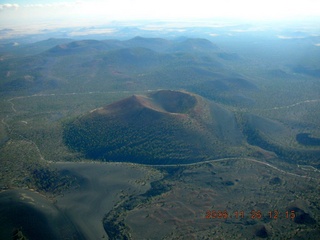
(53, 5)
(8, 6)
(290, 37)
(104, 31)
(89, 12)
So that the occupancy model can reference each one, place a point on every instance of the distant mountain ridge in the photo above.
(155, 44)
(134, 64)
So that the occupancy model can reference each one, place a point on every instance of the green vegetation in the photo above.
(176, 206)
(113, 222)
(167, 127)
(253, 108)
(255, 137)
(305, 139)
(43, 92)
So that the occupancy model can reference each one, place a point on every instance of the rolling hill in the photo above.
(92, 65)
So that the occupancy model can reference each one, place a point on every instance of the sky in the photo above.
(59, 13)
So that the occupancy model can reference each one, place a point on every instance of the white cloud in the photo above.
(70, 12)
(52, 5)
(104, 31)
(290, 37)
(8, 6)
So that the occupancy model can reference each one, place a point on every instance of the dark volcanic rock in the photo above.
(301, 217)
(261, 232)
(275, 181)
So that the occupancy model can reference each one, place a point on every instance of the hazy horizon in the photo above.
(22, 14)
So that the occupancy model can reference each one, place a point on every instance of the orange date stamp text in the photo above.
(253, 214)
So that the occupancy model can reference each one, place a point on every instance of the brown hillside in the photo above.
(162, 127)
